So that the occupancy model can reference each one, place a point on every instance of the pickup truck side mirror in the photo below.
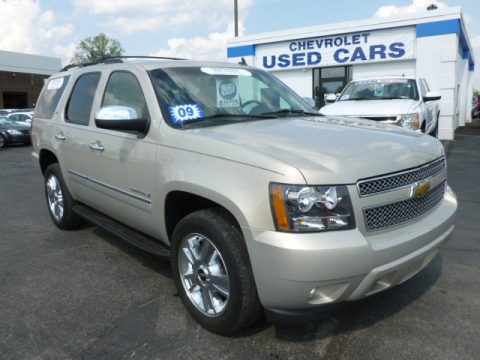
(119, 117)
(431, 96)
(331, 98)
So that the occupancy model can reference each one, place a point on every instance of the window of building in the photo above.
(330, 80)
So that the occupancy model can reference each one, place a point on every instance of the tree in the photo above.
(476, 92)
(94, 49)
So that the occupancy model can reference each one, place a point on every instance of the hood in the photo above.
(369, 107)
(326, 150)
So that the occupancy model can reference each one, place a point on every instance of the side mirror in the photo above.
(431, 96)
(119, 117)
(331, 98)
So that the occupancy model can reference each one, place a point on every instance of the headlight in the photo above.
(410, 121)
(14, 132)
(300, 208)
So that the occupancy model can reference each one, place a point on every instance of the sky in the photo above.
(195, 29)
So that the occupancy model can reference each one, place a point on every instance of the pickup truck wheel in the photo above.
(59, 201)
(211, 269)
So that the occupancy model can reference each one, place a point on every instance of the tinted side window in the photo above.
(50, 96)
(124, 89)
(79, 106)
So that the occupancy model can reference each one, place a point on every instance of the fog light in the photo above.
(311, 294)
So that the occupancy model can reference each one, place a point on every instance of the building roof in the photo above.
(28, 63)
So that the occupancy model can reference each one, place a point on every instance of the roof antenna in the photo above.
(243, 62)
(432, 7)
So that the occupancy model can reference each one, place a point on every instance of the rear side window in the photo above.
(50, 96)
(80, 103)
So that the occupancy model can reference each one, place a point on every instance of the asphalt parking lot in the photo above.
(87, 295)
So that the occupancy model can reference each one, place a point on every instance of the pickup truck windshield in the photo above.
(208, 96)
(380, 89)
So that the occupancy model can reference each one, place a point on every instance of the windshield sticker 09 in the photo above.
(180, 113)
(345, 97)
(225, 71)
(227, 93)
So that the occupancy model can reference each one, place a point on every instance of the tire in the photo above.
(3, 141)
(59, 201)
(222, 276)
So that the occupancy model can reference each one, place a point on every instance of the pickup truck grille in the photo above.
(397, 180)
(384, 216)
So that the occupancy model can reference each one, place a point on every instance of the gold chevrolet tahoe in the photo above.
(260, 203)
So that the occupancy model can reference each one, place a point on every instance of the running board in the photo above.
(124, 232)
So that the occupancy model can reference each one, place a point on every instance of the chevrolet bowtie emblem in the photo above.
(420, 189)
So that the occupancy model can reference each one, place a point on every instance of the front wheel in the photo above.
(212, 272)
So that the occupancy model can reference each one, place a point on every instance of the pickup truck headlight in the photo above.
(300, 208)
(410, 121)
(14, 132)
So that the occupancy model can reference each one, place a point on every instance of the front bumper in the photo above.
(307, 271)
(18, 139)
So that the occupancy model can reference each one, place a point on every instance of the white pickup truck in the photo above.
(403, 101)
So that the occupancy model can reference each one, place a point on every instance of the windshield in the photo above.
(380, 89)
(6, 121)
(220, 95)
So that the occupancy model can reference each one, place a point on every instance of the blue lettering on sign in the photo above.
(301, 58)
(298, 59)
(358, 54)
(377, 50)
(339, 56)
(396, 50)
(180, 113)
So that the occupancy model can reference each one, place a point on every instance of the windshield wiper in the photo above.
(223, 118)
(392, 98)
(294, 111)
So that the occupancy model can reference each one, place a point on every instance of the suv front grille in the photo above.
(397, 180)
(384, 216)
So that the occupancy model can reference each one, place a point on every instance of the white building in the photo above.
(22, 77)
(431, 44)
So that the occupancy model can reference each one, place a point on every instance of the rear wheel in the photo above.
(60, 202)
(211, 269)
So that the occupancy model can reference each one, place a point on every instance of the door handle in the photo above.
(96, 146)
(60, 136)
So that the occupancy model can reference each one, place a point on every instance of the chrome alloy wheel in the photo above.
(2, 141)
(203, 274)
(55, 197)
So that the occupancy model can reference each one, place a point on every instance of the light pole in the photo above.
(235, 14)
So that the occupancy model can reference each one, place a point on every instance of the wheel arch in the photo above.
(46, 158)
(181, 202)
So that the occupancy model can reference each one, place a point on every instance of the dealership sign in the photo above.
(347, 49)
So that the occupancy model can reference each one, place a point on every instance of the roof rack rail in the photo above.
(71, 66)
(107, 58)
(117, 59)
